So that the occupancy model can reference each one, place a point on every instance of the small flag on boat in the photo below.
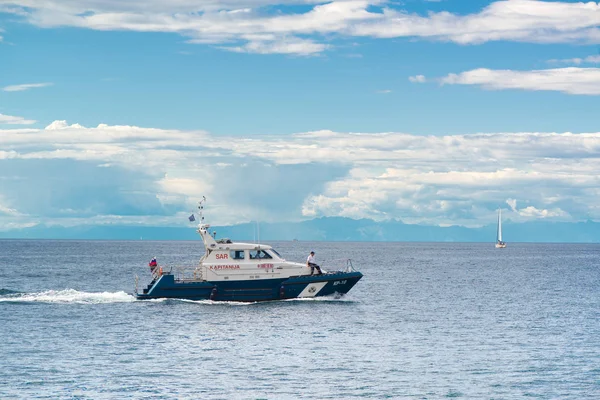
(192, 218)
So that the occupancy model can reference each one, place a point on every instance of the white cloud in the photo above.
(9, 211)
(281, 46)
(62, 124)
(577, 61)
(263, 26)
(532, 212)
(25, 86)
(417, 79)
(572, 80)
(514, 20)
(12, 120)
(512, 203)
(454, 179)
(592, 59)
(187, 187)
(384, 91)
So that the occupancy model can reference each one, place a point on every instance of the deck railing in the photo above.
(187, 273)
(339, 264)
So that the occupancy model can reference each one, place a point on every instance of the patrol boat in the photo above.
(231, 271)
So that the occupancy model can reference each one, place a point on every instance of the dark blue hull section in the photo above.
(252, 290)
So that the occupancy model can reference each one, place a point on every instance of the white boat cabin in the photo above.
(227, 260)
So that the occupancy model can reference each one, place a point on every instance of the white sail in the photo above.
(499, 234)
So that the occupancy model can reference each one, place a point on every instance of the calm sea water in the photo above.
(428, 321)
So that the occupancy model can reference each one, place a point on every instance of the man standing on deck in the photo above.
(310, 262)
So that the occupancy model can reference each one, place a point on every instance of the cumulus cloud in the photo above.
(530, 212)
(267, 26)
(25, 86)
(137, 172)
(61, 124)
(536, 213)
(12, 120)
(572, 80)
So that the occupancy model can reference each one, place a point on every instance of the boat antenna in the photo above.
(201, 209)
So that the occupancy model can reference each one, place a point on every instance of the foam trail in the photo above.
(69, 296)
(222, 303)
(331, 298)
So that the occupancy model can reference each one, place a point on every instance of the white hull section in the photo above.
(313, 289)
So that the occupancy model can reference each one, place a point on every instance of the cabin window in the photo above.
(276, 253)
(259, 255)
(236, 254)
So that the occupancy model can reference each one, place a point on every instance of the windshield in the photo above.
(275, 251)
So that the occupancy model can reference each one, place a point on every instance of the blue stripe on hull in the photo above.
(250, 291)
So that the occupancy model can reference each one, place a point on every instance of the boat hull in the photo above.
(252, 290)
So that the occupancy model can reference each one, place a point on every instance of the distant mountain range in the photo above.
(331, 229)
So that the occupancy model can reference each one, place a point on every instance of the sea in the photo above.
(427, 321)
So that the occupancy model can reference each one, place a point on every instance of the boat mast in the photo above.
(201, 209)
(203, 229)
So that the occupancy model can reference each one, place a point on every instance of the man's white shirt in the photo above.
(311, 259)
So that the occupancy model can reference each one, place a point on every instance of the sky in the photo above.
(430, 112)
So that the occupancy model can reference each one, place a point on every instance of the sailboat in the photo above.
(499, 243)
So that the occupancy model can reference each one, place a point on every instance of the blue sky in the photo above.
(434, 112)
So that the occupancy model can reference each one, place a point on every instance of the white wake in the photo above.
(69, 296)
(221, 303)
(72, 296)
(331, 297)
